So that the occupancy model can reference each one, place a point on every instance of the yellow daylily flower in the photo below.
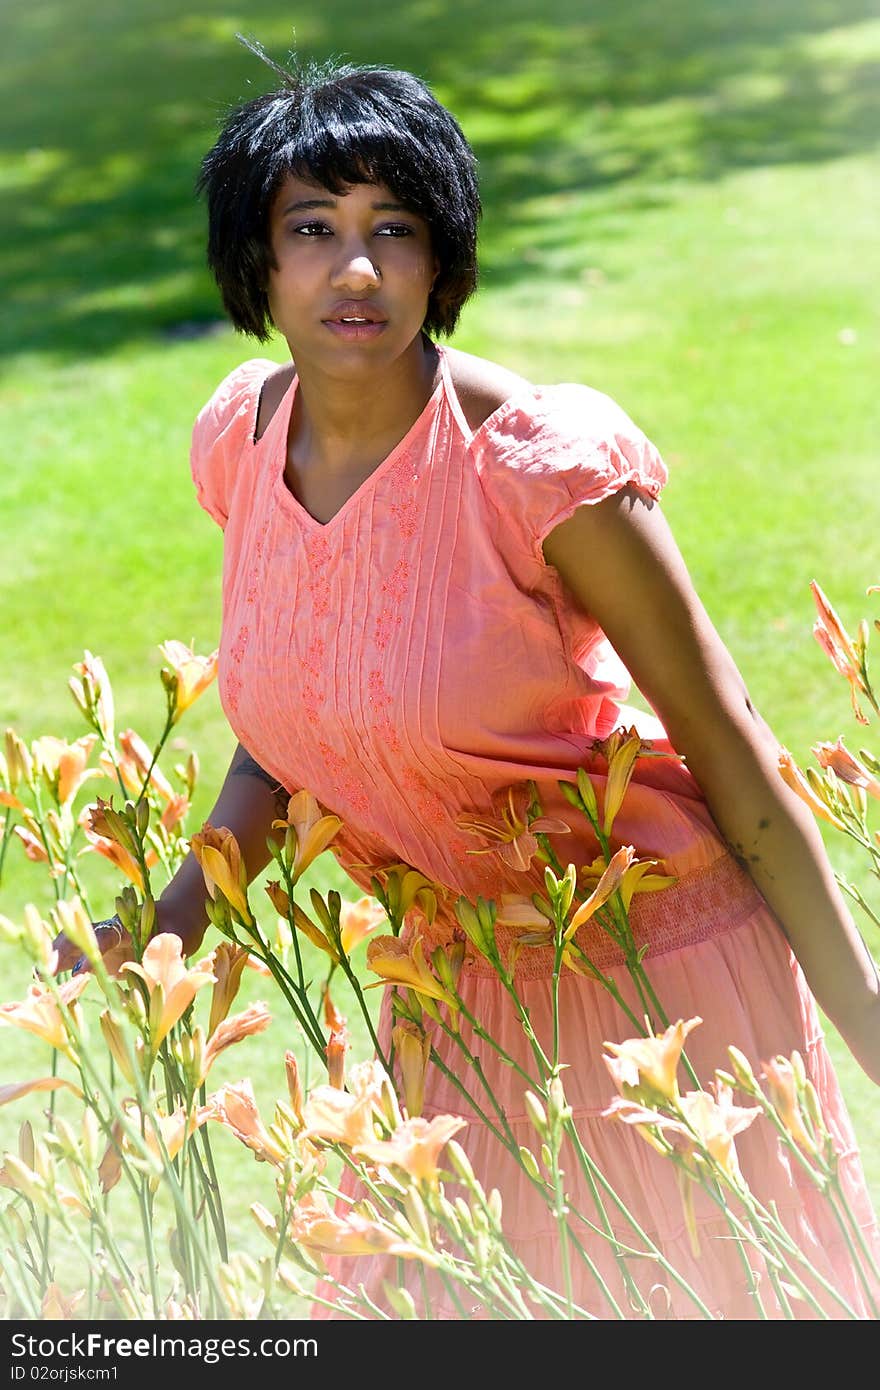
(189, 675)
(316, 1226)
(414, 1146)
(609, 883)
(227, 962)
(224, 870)
(39, 1012)
(171, 987)
(313, 830)
(413, 1048)
(645, 1068)
(399, 964)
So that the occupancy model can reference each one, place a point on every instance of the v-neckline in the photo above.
(279, 427)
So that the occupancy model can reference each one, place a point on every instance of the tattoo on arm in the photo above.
(247, 766)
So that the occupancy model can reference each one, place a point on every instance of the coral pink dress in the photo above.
(414, 657)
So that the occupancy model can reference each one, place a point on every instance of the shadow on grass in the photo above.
(108, 110)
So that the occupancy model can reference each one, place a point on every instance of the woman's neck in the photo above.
(340, 421)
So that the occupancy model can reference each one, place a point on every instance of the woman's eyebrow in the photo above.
(306, 204)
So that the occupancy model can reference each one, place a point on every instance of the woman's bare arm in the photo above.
(249, 800)
(620, 561)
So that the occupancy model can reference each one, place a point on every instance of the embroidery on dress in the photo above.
(348, 785)
(405, 509)
(379, 699)
(389, 616)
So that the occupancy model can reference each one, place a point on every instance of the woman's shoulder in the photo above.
(483, 387)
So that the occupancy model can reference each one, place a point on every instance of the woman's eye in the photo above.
(395, 229)
(312, 229)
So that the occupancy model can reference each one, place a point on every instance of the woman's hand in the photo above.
(114, 943)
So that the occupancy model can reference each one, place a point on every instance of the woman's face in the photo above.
(352, 275)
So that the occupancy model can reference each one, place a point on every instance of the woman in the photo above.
(438, 579)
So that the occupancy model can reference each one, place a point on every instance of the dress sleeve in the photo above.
(222, 428)
(542, 455)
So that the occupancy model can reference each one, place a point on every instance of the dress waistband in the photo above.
(705, 903)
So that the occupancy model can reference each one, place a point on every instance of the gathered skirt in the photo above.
(716, 952)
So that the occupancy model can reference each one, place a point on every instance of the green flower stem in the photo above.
(771, 1239)
(21, 1289)
(842, 1221)
(589, 1165)
(169, 725)
(781, 1295)
(355, 983)
(847, 888)
(5, 837)
(504, 1056)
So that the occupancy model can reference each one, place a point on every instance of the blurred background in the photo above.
(681, 209)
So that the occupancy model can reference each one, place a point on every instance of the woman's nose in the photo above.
(356, 270)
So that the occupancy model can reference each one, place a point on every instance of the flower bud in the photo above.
(495, 1205)
(587, 795)
(536, 1113)
(529, 1162)
(401, 1300)
(26, 1147)
(742, 1069)
(460, 1162)
(418, 1216)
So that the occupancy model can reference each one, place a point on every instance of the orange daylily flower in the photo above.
(224, 870)
(509, 834)
(94, 694)
(783, 1087)
(137, 761)
(516, 910)
(294, 1085)
(189, 675)
(63, 766)
(399, 964)
(33, 846)
(55, 1307)
(236, 1108)
(170, 986)
(621, 761)
(312, 828)
(645, 1068)
(703, 1122)
(174, 812)
(337, 1044)
(172, 1131)
(840, 760)
(839, 647)
(413, 1048)
(414, 1146)
(636, 879)
(357, 920)
(316, 1226)
(125, 862)
(254, 1019)
(110, 1167)
(227, 963)
(40, 1013)
(795, 779)
(347, 1117)
(14, 1089)
(609, 883)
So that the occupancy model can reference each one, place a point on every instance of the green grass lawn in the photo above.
(680, 209)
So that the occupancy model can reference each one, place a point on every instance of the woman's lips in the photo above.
(354, 329)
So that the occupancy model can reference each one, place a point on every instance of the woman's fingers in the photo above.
(114, 943)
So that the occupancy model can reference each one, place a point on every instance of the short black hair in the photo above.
(339, 125)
